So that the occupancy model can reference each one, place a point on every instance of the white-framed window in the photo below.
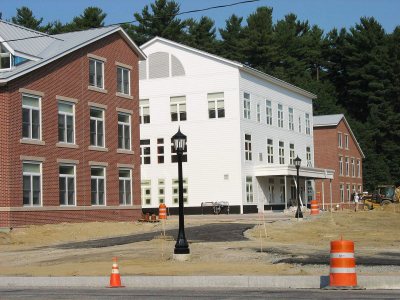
(258, 112)
(291, 154)
(360, 189)
(346, 141)
(124, 131)
(32, 183)
(175, 190)
(348, 192)
(300, 129)
(280, 115)
(96, 73)
(268, 112)
(353, 167)
(281, 153)
(5, 58)
(341, 165)
(145, 153)
(249, 189)
(125, 186)
(160, 151)
(340, 141)
(144, 111)
(216, 106)
(98, 185)
(123, 81)
(161, 191)
(247, 147)
(174, 155)
(66, 122)
(31, 117)
(291, 120)
(308, 156)
(178, 108)
(67, 184)
(347, 166)
(246, 106)
(270, 151)
(146, 192)
(308, 124)
(341, 192)
(97, 127)
(358, 168)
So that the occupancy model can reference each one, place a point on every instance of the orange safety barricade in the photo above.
(162, 212)
(342, 264)
(314, 207)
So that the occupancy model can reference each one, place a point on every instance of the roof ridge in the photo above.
(89, 29)
(27, 29)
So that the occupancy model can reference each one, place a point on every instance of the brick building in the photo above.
(336, 147)
(69, 132)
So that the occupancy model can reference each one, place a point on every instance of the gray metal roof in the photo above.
(327, 120)
(44, 48)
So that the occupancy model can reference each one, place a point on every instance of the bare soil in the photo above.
(278, 244)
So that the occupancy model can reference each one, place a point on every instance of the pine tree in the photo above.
(201, 34)
(233, 39)
(26, 18)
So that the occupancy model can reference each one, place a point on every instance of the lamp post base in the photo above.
(181, 257)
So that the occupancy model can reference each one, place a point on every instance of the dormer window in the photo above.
(5, 58)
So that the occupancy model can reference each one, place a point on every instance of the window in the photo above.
(175, 190)
(31, 117)
(144, 111)
(216, 108)
(160, 151)
(360, 189)
(347, 166)
(341, 193)
(308, 124)
(348, 192)
(270, 151)
(247, 147)
(353, 168)
(346, 141)
(280, 115)
(341, 165)
(32, 183)
(249, 189)
(174, 156)
(123, 81)
(67, 184)
(358, 168)
(161, 191)
(291, 154)
(308, 156)
(66, 122)
(246, 106)
(258, 113)
(268, 112)
(178, 108)
(145, 158)
(97, 178)
(97, 127)
(340, 144)
(146, 192)
(291, 120)
(300, 124)
(125, 187)
(5, 58)
(281, 153)
(124, 131)
(96, 71)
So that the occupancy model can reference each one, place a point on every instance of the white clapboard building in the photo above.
(243, 128)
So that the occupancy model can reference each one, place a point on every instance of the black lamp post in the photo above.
(181, 246)
(297, 162)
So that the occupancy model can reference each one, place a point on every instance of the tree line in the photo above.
(353, 71)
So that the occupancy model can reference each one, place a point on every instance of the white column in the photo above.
(286, 193)
(323, 195)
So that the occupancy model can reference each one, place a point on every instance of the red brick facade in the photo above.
(69, 77)
(327, 155)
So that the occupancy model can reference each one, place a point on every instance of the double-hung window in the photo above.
(347, 166)
(160, 151)
(96, 71)
(249, 189)
(258, 112)
(66, 122)
(216, 107)
(341, 165)
(161, 190)
(281, 153)
(97, 127)
(31, 117)
(98, 188)
(346, 141)
(280, 115)
(308, 156)
(145, 154)
(125, 186)
(67, 184)
(123, 81)
(268, 112)
(358, 168)
(32, 183)
(308, 124)
(178, 108)
(144, 111)
(270, 151)
(5, 58)
(291, 154)
(353, 168)
(340, 143)
(291, 120)
(300, 124)
(124, 131)
(246, 106)
(146, 192)
(247, 147)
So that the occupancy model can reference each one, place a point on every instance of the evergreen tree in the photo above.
(233, 39)
(201, 34)
(26, 18)
(92, 17)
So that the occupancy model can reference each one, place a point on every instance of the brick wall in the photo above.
(69, 77)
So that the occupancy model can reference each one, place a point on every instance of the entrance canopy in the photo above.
(290, 170)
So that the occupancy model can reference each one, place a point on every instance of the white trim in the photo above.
(67, 99)
(288, 170)
(31, 92)
(65, 115)
(96, 57)
(104, 177)
(66, 176)
(31, 183)
(342, 270)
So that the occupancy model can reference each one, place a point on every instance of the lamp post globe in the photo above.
(181, 245)
(297, 163)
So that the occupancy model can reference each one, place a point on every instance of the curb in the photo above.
(164, 282)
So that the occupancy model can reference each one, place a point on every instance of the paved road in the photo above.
(137, 294)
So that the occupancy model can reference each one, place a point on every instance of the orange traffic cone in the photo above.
(115, 278)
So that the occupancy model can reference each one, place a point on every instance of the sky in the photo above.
(327, 14)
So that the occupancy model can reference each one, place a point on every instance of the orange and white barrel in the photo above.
(162, 212)
(342, 264)
(314, 207)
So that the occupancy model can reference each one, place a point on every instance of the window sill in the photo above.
(32, 142)
(96, 89)
(126, 96)
(124, 151)
(67, 145)
(95, 148)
